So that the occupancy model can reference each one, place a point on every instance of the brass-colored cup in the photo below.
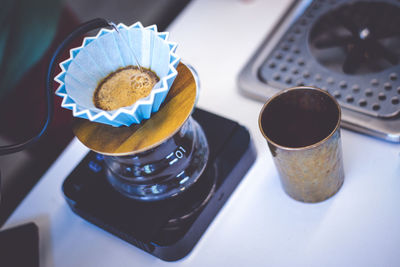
(302, 129)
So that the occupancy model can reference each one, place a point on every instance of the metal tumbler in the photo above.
(302, 129)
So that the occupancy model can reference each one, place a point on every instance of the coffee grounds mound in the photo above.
(124, 87)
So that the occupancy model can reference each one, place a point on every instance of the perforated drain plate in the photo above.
(302, 51)
(294, 61)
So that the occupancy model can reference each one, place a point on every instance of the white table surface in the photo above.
(259, 225)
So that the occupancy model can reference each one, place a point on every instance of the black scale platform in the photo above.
(168, 229)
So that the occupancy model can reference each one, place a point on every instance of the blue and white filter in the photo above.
(108, 51)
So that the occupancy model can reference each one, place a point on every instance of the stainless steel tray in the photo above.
(357, 119)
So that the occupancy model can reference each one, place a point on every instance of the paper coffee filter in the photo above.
(105, 53)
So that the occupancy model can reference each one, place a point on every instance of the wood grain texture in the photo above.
(122, 141)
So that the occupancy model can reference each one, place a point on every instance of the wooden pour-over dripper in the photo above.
(158, 158)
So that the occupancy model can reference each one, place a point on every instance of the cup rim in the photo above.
(288, 90)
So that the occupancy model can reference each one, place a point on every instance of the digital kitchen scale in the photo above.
(170, 228)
